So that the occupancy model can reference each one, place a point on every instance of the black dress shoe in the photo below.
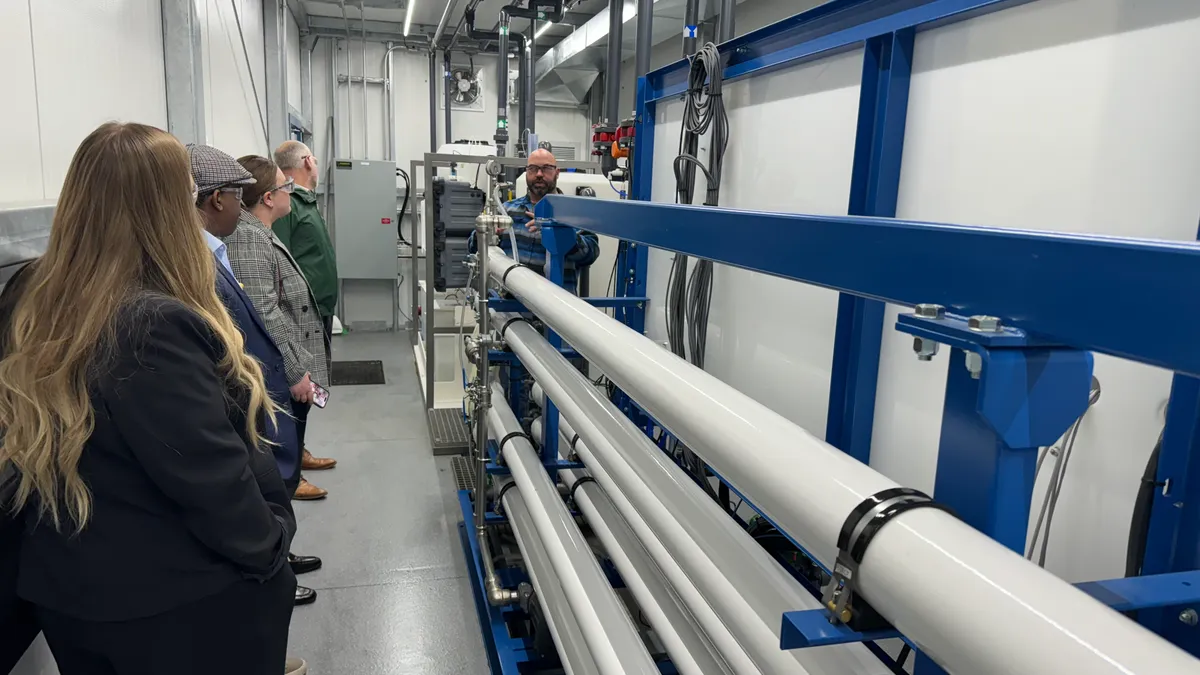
(303, 564)
(305, 596)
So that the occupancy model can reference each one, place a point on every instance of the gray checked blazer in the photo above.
(277, 288)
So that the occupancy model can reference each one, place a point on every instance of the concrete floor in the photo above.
(393, 597)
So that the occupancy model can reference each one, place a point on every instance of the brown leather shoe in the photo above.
(307, 491)
(310, 463)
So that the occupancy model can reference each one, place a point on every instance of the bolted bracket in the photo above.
(1030, 390)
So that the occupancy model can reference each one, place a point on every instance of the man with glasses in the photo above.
(304, 234)
(541, 179)
(219, 181)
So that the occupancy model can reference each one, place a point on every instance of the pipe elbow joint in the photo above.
(498, 596)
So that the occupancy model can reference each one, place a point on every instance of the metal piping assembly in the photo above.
(487, 224)
(740, 590)
(607, 627)
(925, 571)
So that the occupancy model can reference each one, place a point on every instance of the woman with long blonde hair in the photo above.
(156, 523)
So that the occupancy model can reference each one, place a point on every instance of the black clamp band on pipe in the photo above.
(510, 436)
(511, 322)
(575, 486)
(504, 277)
(858, 531)
(500, 495)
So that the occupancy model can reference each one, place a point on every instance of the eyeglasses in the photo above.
(541, 168)
(288, 187)
(235, 190)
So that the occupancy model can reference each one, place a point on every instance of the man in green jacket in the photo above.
(304, 234)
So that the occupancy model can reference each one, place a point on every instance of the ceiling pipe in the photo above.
(433, 99)
(725, 26)
(973, 605)
(501, 37)
(441, 27)
(612, 94)
(449, 84)
(691, 17)
(645, 38)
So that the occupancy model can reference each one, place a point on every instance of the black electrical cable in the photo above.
(403, 209)
(688, 299)
(1139, 526)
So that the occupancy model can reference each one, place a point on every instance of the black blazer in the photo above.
(260, 345)
(182, 506)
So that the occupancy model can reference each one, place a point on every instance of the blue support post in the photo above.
(1173, 540)
(874, 185)
(558, 240)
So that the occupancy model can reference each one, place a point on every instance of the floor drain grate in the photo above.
(447, 432)
(464, 476)
(348, 373)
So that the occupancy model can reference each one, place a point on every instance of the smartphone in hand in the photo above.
(320, 395)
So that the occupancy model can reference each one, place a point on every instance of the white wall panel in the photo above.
(565, 124)
(95, 62)
(1061, 115)
(292, 36)
(232, 114)
(791, 149)
(20, 135)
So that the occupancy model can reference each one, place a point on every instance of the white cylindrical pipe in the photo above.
(972, 605)
(746, 589)
(611, 637)
(710, 624)
(564, 628)
(690, 650)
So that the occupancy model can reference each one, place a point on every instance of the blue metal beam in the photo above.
(1115, 295)
(874, 186)
(823, 30)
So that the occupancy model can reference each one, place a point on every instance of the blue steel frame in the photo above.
(1036, 371)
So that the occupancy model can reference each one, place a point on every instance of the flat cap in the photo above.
(212, 168)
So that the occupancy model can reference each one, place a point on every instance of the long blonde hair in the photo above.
(125, 227)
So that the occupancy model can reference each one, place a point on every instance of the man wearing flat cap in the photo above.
(219, 180)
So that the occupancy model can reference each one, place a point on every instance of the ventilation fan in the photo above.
(464, 87)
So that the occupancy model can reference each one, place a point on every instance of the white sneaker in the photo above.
(295, 666)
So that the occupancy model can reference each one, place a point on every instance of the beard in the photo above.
(539, 188)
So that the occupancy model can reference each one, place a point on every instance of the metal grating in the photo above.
(448, 433)
(348, 373)
(464, 473)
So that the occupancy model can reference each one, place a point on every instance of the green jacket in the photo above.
(303, 233)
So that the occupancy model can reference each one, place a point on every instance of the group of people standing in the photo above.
(157, 369)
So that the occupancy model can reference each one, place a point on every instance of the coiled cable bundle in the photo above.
(689, 299)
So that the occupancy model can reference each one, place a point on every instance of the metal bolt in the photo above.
(974, 364)
(925, 348)
(929, 311)
(984, 324)
(1189, 617)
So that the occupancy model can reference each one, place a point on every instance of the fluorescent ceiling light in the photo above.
(408, 16)
(545, 27)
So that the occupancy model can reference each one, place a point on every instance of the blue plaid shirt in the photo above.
(531, 251)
